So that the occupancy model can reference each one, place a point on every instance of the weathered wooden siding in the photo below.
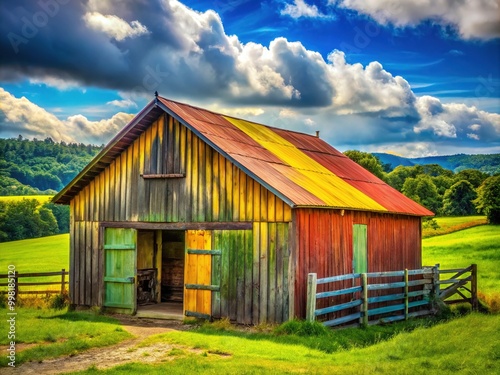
(213, 189)
(324, 245)
(252, 272)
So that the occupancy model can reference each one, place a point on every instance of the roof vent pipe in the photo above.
(317, 133)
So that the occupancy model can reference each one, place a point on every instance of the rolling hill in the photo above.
(488, 163)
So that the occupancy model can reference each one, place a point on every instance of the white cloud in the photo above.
(56, 82)
(300, 8)
(455, 120)
(472, 19)
(20, 116)
(114, 26)
(123, 103)
(407, 150)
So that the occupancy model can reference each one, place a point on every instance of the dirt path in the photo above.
(126, 351)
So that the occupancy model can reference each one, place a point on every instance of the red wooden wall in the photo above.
(323, 243)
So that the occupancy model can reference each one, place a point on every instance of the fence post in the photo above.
(473, 288)
(364, 285)
(406, 293)
(435, 280)
(63, 286)
(312, 279)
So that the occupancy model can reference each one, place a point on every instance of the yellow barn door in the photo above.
(198, 274)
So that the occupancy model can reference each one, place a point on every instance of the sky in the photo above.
(410, 77)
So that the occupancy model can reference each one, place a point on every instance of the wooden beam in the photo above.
(179, 226)
(163, 175)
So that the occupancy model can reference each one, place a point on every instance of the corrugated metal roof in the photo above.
(301, 169)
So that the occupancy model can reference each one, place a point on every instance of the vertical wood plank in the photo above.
(209, 183)
(190, 272)
(216, 274)
(249, 199)
(243, 196)
(281, 292)
(222, 188)
(207, 272)
(263, 204)
(256, 272)
(224, 284)
(215, 186)
(181, 187)
(90, 200)
(271, 294)
(236, 193)
(95, 284)
(271, 207)
(124, 182)
(256, 201)
(239, 249)
(141, 184)
(117, 191)
(88, 263)
(82, 253)
(195, 182)
(248, 270)
(279, 209)
(264, 259)
(229, 191)
(188, 192)
(76, 263)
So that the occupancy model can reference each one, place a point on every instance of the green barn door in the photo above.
(360, 251)
(120, 246)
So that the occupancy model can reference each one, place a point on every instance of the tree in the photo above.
(474, 176)
(458, 199)
(422, 190)
(488, 199)
(399, 175)
(368, 161)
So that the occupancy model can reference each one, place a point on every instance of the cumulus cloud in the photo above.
(472, 19)
(114, 26)
(21, 116)
(456, 120)
(300, 8)
(183, 54)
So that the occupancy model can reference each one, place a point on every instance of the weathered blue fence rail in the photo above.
(410, 296)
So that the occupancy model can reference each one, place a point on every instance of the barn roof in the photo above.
(301, 169)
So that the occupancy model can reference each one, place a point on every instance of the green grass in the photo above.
(40, 198)
(468, 345)
(45, 254)
(57, 333)
(480, 245)
(450, 224)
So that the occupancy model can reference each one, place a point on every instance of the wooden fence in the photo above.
(370, 300)
(26, 287)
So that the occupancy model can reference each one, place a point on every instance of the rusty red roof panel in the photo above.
(369, 184)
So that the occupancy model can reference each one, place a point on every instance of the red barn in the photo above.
(226, 217)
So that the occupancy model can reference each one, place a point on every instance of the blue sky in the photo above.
(413, 77)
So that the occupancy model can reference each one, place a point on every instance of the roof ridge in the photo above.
(236, 118)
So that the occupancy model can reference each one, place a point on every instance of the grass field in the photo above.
(41, 198)
(45, 254)
(480, 245)
(453, 224)
(468, 345)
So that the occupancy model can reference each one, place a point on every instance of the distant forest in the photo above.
(33, 167)
(30, 167)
